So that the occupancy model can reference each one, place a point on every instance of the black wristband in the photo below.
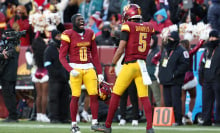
(113, 65)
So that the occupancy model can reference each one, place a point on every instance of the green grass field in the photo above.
(37, 127)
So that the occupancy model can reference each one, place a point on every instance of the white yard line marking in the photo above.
(113, 127)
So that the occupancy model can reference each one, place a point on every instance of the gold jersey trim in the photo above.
(125, 27)
(65, 37)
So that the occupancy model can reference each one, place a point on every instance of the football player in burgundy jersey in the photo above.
(79, 44)
(135, 42)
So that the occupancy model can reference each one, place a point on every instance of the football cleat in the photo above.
(101, 128)
(150, 130)
(75, 129)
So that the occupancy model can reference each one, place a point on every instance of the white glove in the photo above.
(74, 73)
(100, 77)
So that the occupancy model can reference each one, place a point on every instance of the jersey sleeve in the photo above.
(65, 44)
(125, 27)
(95, 57)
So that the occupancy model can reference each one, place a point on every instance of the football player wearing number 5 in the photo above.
(79, 44)
(135, 42)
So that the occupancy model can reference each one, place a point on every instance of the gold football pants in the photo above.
(129, 72)
(87, 77)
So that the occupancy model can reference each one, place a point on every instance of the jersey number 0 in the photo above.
(83, 54)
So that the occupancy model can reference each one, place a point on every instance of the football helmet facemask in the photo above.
(131, 11)
(105, 91)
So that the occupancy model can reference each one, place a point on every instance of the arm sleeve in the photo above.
(201, 69)
(63, 53)
(95, 58)
(196, 48)
(124, 35)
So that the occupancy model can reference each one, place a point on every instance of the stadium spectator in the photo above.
(95, 22)
(8, 73)
(89, 7)
(123, 4)
(114, 8)
(174, 63)
(59, 90)
(160, 20)
(188, 17)
(115, 21)
(190, 82)
(214, 15)
(71, 9)
(148, 8)
(154, 88)
(174, 10)
(20, 22)
(210, 72)
(80, 44)
(8, 7)
(2, 23)
(40, 76)
(134, 64)
(105, 39)
(197, 13)
(105, 10)
(58, 6)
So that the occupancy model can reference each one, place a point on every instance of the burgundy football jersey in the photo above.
(138, 43)
(81, 48)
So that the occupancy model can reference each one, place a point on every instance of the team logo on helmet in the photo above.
(131, 11)
(105, 91)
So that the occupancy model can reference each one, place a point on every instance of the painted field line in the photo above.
(113, 127)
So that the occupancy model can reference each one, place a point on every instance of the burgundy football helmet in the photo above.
(105, 91)
(131, 11)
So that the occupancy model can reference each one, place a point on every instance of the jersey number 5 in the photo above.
(142, 42)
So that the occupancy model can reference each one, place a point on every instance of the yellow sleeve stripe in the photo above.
(125, 27)
(65, 38)
(93, 37)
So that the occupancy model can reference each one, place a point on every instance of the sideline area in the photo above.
(25, 125)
